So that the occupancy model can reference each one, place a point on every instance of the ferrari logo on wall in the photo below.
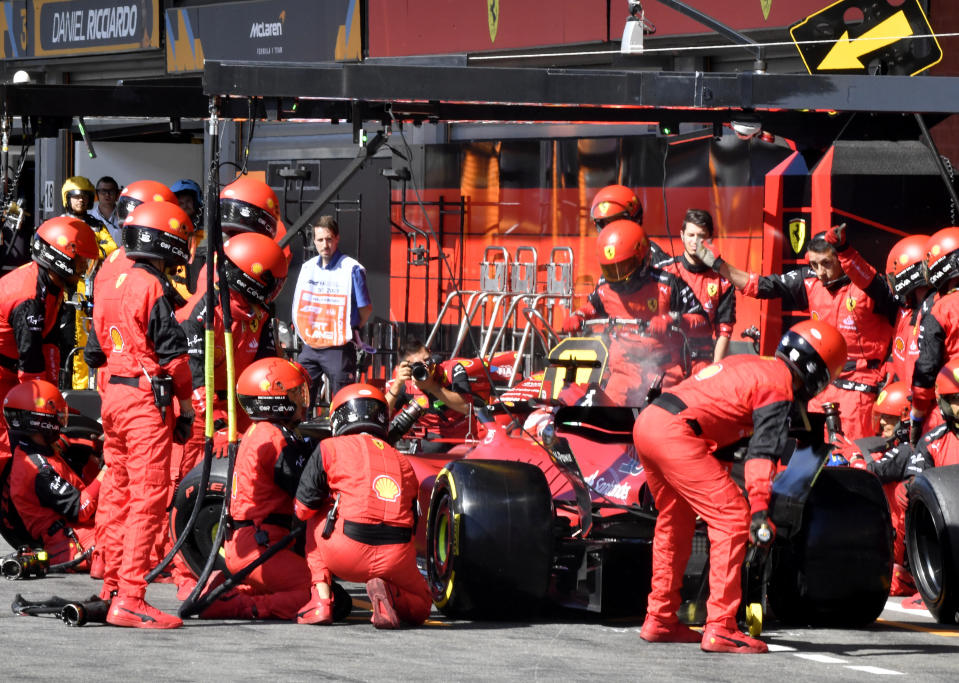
(766, 5)
(797, 234)
(492, 16)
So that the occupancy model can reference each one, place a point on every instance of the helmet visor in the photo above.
(617, 272)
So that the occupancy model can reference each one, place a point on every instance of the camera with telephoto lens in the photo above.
(422, 371)
(25, 563)
(403, 421)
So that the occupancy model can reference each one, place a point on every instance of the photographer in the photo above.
(446, 386)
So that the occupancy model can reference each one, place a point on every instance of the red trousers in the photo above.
(358, 562)
(686, 480)
(279, 586)
(61, 548)
(136, 489)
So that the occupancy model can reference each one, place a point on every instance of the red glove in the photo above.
(836, 236)
(198, 399)
(574, 323)
(658, 326)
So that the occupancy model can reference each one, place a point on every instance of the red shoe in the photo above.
(316, 611)
(97, 566)
(384, 614)
(902, 582)
(138, 613)
(719, 639)
(915, 602)
(656, 631)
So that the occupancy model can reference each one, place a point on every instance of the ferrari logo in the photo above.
(492, 16)
(899, 344)
(850, 304)
(712, 289)
(609, 251)
(254, 323)
(652, 304)
(766, 5)
(797, 234)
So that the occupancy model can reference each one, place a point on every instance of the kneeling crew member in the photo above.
(676, 438)
(366, 494)
(57, 508)
(275, 393)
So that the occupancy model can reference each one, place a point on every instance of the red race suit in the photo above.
(636, 360)
(862, 308)
(716, 295)
(268, 466)
(374, 489)
(677, 438)
(137, 337)
(252, 339)
(57, 508)
(938, 343)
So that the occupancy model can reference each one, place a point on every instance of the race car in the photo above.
(560, 514)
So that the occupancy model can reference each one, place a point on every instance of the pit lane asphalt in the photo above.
(906, 643)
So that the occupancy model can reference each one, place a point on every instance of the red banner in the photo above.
(431, 27)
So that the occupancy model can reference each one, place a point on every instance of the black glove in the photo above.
(762, 531)
(182, 429)
(915, 429)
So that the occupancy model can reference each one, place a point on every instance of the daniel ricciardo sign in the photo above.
(48, 28)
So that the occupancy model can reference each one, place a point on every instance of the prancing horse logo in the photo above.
(797, 234)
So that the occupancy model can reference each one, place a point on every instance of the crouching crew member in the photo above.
(365, 492)
(275, 393)
(57, 508)
(137, 337)
(676, 438)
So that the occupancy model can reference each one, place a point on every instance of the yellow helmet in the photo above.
(77, 185)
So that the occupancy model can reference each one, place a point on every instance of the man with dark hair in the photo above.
(330, 304)
(715, 293)
(104, 210)
(838, 287)
(444, 389)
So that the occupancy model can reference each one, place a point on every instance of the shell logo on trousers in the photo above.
(386, 488)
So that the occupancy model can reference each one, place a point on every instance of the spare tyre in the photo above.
(932, 540)
(196, 547)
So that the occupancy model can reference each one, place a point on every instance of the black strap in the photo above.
(670, 403)
(129, 381)
(8, 363)
(274, 519)
(377, 534)
(871, 364)
(675, 405)
(849, 385)
(55, 527)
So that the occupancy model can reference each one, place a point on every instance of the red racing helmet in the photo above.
(141, 191)
(904, 264)
(159, 230)
(940, 257)
(66, 246)
(614, 202)
(249, 205)
(815, 352)
(36, 407)
(274, 389)
(893, 403)
(359, 408)
(256, 267)
(623, 248)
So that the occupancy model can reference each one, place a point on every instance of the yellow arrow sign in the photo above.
(845, 54)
